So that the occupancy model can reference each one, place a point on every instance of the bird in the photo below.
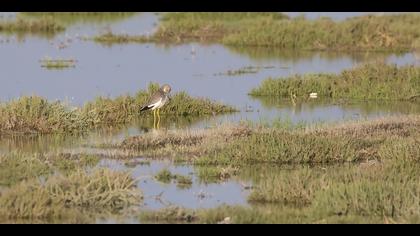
(157, 100)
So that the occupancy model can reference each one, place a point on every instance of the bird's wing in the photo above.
(154, 100)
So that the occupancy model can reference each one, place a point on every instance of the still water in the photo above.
(195, 68)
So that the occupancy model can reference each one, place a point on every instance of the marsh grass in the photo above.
(215, 174)
(183, 144)
(376, 81)
(370, 189)
(110, 38)
(369, 192)
(58, 63)
(37, 115)
(395, 32)
(364, 33)
(166, 176)
(181, 27)
(71, 18)
(60, 195)
(260, 214)
(42, 25)
(18, 167)
(350, 142)
(68, 163)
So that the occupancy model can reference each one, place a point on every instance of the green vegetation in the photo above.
(70, 18)
(184, 144)
(103, 189)
(21, 25)
(376, 81)
(215, 174)
(242, 145)
(37, 115)
(165, 176)
(57, 63)
(395, 32)
(110, 38)
(376, 33)
(385, 191)
(208, 27)
(265, 214)
(16, 167)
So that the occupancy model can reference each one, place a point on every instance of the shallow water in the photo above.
(200, 195)
(195, 68)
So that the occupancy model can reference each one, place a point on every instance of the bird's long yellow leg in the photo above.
(158, 114)
(154, 119)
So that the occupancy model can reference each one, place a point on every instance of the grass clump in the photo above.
(183, 144)
(57, 63)
(395, 32)
(165, 176)
(215, 174)
(295, 188)
(369, 82)
(110, 38)
(181, 27)
(68, 163)
(103, 189)
(371, 189)
(22, 25)
(244, 144)
(124, 109)
(368, 192)
(16, 168)
(37, 115)
(70, 18)
(364, 33)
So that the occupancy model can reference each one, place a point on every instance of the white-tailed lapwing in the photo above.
(157, 100)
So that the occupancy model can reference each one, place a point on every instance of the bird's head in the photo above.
(166, 88)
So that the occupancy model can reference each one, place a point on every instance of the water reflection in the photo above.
(295, 56)
(335, 110)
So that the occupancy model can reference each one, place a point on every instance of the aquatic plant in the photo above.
(110, 38)
(395, 32)
(37, 115)
(70, 18)
(375, 81)
(57, 63)
(242, 145)
(41, 25)
(62, 194)
(165, 176)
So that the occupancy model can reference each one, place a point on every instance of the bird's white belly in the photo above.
(157, 105)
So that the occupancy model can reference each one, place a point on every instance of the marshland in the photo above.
(272, 118)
